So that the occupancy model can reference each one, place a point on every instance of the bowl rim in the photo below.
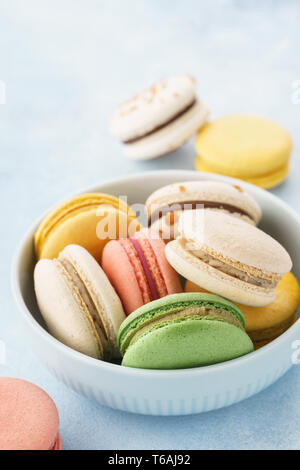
(116, 368)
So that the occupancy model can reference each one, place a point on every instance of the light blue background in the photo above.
(66, 65)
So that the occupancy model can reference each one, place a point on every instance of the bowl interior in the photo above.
(278, 220)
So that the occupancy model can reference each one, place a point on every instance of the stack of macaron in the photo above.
(251, 148)
(119, 296)
(163, 117)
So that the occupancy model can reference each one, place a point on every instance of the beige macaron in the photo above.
(165, 204)
(159, 119)
(78, 303)
(228, 256)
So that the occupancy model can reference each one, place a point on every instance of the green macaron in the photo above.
(180, 331)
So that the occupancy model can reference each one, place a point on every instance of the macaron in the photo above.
(159, 119)
(89, 220)
(78, 303)
(138, 269)
(165, 204)
(183, 331)
(251, 148)
(28, 416)
(264, 324)
(228, 256)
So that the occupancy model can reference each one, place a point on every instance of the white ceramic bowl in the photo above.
(177, 392)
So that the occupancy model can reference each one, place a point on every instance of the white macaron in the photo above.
(229, 257)
(159, 119)
(78, 303)
(165, 204)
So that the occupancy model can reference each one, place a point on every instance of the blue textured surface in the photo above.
(66, 65)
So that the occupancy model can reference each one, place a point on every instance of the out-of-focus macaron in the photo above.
(251, 148)
(183, 330)
(138, 269)
(165, 204)
(264, 324)
(89, 220)
(159, 119)
(28, 416)
(228, 256)
(78, 303)
(267, 323)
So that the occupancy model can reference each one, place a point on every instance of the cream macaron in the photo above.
(159, 119)
(228, 256)
(78, 303)
(165, 204)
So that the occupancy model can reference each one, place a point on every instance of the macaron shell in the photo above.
(58, 445)
(83, 229)
(170, 276)
(272, 320)
(126, 273)
(153, 107)
(234, 240)
(170, 137)
(213, 280)
(244, 146)
(100, 289)
(206, 191)
(83, 221)
(268, 181)
(171, 304)
(269, 334)
(76, 204)
(263, 323)
(121, 274)
(260, 343)
(67, 319)
(28, 417)
(187, 343)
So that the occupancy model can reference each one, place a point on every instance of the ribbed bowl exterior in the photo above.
(175, 405)
(173, 392)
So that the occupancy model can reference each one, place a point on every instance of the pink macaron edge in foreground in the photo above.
(28, 416)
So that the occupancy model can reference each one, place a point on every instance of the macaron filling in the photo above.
(86, 202)
(237, 273)
(166, 123)
(137, 267)
(178, 206)
(208, 305)
(266, 281)
(153, 262)
(197, 313)
(151, 283)
(57, 443)
(146, 268)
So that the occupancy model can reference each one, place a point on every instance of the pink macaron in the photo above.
(28, 417)
(138, 269)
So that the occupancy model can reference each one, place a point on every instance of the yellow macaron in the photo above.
(264, 324)
(251, 148)
(89, 220)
